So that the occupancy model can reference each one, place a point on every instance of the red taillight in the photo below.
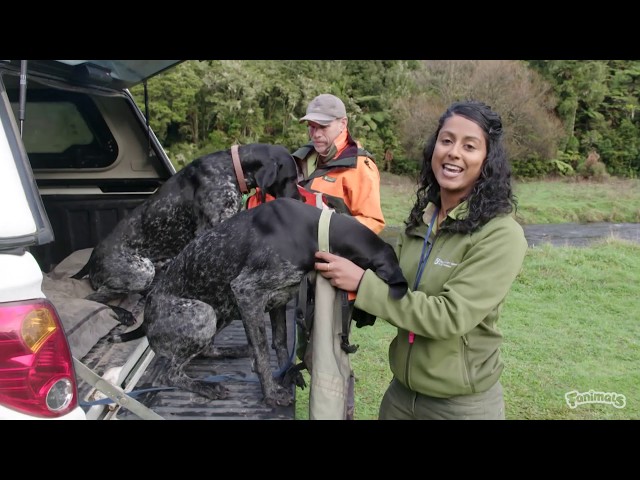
(36, 368)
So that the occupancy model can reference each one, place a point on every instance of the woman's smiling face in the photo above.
(457, 159)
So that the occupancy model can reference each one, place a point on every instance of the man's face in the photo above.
(323, 136)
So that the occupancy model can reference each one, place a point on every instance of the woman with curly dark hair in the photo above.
(461, 251)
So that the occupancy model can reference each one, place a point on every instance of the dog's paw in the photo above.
(125, 317)
(117, 337)
(282, 397)
(293, 376)
(212, 391)
(114, 338)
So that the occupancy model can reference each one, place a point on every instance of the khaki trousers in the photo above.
(400, 403)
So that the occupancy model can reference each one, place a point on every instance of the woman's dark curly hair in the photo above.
(492, 193)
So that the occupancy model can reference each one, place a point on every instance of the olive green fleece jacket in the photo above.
(454, 311)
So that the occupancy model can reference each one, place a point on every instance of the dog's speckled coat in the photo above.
(199, 196)
(248, 265)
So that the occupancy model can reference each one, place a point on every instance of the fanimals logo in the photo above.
(575, 398)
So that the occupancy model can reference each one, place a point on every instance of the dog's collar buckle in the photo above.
(238, 168)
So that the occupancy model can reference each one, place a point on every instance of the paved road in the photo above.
(560, 234)
(580, 235)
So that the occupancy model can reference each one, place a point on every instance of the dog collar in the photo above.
(238, 169)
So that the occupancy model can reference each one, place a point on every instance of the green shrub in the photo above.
(404, 166)
(531, 167)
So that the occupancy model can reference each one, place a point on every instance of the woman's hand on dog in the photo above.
(341, 272)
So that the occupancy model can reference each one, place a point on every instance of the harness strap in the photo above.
(238, 169)
(330, 368)
(346, 322)
(323, 229)
(323, 245)
(305, 305)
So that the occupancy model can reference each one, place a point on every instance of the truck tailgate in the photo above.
(244, 401)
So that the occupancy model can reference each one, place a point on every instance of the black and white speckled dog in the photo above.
(199, 196)
(248, 265)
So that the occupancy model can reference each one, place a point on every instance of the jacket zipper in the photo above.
(412, 335)
(465, 362)
(406, 367)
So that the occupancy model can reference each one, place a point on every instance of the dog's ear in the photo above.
(398, 289)
(266, 176)
(362, 318)
(398, 285)
(388, 269)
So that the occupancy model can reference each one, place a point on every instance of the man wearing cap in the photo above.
(336, 165)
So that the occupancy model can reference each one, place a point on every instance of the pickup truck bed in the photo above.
(80, 222)
(243, 403)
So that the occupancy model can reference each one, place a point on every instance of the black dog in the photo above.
(196, 198)
(250, 264)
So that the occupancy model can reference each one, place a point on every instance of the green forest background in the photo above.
(570, 118)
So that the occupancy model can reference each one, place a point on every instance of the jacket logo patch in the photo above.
(327, 178)
(444, 263)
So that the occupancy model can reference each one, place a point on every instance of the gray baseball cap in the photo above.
(324, 109)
